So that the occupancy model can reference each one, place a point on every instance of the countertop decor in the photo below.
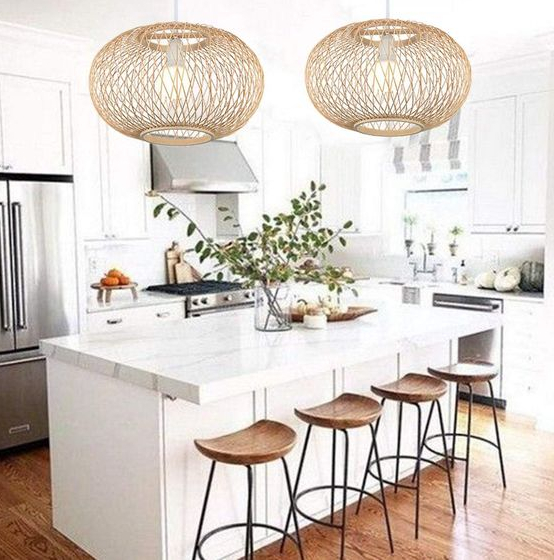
(288, 247)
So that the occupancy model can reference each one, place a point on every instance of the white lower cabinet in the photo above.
(524, 355)
(117, 320)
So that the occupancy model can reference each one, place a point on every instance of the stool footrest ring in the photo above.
(395, 457)
(328, 487)
(452, 435)
(223, 528)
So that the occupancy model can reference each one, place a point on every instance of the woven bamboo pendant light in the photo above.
(388, 77)
(176, 83)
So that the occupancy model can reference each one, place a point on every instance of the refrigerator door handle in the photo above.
(5, 311)
(21, 305)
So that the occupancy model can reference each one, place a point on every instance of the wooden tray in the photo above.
(350, 315)
(105, 292)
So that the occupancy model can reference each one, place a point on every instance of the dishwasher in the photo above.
(485, 346)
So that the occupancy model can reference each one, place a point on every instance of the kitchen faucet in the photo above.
(424, 270)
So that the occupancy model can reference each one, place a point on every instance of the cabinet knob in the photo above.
(508, 228)
(516, 228)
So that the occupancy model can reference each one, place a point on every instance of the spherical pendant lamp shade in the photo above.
(388, 77)
(176, 83)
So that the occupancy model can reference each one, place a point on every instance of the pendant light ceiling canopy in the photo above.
(388, 77)
(176, 83)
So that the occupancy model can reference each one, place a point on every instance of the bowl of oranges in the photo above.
(114, 279)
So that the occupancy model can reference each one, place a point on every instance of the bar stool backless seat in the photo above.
(346, 412)
(468, 373)
(260, 443)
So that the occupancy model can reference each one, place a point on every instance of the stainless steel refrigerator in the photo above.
(38, 295)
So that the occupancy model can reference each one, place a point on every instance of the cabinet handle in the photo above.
(114, 321)
(508, 228)
(516, 228)
(163, 314)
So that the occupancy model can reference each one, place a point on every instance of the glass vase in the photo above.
(273, 307)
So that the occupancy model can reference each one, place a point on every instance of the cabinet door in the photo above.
(341, 172)
(35, 125)
(493, 164)
(305, 160)
(128, 171)
(533, 110)
(90, 183)
(277, 168)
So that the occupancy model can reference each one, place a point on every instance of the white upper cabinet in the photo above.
(35, 126)
(128, 171)
(493, 141)
(508, 160)
(530, 201)
(112, 174)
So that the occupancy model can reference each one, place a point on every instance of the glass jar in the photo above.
(273, 307)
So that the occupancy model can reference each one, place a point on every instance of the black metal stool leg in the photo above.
(418, 467)
(455, 431)
(470, 410)
(293, 509)
(429, 416)
(203, 513)
(249, 549)
(446, 459)
(297, 482)
(380, 474)
(333, 464)
(370, 455)
(398, 442)
(497, 436)
(344, 495)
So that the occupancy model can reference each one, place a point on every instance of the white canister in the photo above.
(315, 321)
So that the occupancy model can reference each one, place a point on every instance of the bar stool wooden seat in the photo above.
(260, 443)
(468, 373)
(414, 389)
(346, 412)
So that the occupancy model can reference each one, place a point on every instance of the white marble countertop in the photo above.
(125, 301)
(213, 357)
(451, 288)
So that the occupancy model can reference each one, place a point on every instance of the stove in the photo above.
(208, 296)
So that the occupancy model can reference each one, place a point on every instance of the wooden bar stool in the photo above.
(261, 443)
(341, 414)
(413, 389)
(469, 373)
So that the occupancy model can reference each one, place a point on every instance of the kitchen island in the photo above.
(126, 406)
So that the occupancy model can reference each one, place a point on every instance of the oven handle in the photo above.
(490, 308)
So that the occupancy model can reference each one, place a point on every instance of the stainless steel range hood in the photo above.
(215, 167)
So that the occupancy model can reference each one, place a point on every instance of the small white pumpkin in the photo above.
(507, 280)
(486, 280)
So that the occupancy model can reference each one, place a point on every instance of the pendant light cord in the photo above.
(387, 9)
(176, 9)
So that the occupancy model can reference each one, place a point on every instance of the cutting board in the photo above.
(184, 272)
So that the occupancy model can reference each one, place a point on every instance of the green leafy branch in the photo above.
(278, 250)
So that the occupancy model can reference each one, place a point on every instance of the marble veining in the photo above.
(216, 356)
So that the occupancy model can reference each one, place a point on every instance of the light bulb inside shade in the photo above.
(174, 81)
(385, 77)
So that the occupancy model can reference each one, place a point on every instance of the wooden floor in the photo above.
(514, 524)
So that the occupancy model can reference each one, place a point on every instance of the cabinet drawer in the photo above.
(108, 321)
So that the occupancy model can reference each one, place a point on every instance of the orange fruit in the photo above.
(114, 273)
(124, 280)
(109, 281)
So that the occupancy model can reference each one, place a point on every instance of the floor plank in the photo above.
(516, 523)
